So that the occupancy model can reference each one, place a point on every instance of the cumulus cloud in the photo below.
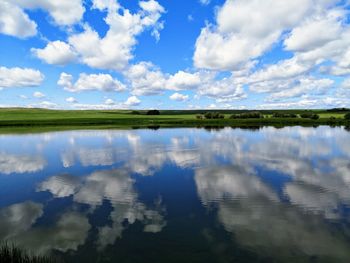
(15, 22)
(114, 50)
(132, 101)
(179, 97)
(184, 81)
(100, 82)
(18, 218)
(113, 185)
(244, 30)
(13, 163)
(305, 86)
(64, 12)
(71, 100)
(109, 102)
(20, 77)
(56, 52)
(145, 79)
(38, 94)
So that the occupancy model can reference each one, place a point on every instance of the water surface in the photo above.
(179, 195)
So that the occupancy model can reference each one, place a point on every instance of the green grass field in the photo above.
(16, 118)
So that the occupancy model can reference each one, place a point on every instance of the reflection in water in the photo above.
(234, 195)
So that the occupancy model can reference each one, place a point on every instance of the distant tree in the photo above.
(247, 115)
(284, 115)
(306, 115)
(135, 112)
(208, 115)
(315, 116)
(310, 115)
(214, 115)
(153, 112)
(347, 116)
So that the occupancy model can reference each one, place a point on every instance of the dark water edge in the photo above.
(25, 129)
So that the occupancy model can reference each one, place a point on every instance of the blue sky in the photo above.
(109, 54)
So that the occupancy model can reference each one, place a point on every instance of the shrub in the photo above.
(213, 115)
(153, 112)
(315, 116)
(310, 115)
(208, 115)
(306, 115)
(13, 254)
(347, 116)
(284, 115)
(247, 115)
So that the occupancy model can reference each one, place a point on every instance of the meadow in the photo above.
(19, 118)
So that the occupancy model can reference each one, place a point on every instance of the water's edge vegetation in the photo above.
(14, 254)
(12, 119)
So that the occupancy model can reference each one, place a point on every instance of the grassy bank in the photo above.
(13, 254)
(20, 119)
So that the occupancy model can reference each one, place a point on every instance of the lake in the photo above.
(179, 195)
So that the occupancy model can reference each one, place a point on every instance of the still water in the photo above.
(179, 195)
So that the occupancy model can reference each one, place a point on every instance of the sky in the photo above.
(174, 54)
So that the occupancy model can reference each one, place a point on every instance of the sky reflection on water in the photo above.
(232, 195)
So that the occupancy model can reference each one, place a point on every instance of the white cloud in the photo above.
(14, 163)
(114, 50)
(223, 90)
(15, 22)
(20, 77)
(304, 86)
(38, 94)
(109, 102)
(183, 81)
(132, 101)
(71, 100)
(244, 31)
(18, 218)
(100, 82)
(63, 12)
(56, 52)
(145, 79)
(179, 97)
(45, 104)
(315, 32)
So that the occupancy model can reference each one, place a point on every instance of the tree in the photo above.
(153, 112)
(247, 115)
(347, 116)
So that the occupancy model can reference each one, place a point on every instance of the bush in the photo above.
(310, 115)
(306, 115)
(13, 254)
(247, 115)
(213, 115)
(153, 112)
(347, 116)
(284, 115)
(315, 116)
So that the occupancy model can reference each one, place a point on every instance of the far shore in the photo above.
(22, 120)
